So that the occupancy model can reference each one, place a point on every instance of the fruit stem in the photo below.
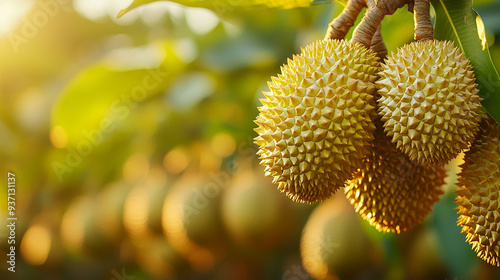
(378, 45)
(373, 17)
(423, 26)
(338, 28)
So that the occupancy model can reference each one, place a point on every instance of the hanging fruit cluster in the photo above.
(343, 114)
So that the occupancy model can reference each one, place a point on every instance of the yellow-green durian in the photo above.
(316, 119)
(429, 102)
(479, 193)
(392, 192)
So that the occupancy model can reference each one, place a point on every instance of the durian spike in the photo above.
(316, 122)
(479, 192)
(338, 28)
(428, 100)
(392, 192)
(423, 25)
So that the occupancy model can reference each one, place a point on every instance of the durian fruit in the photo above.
(392, 192)
(143, 206)
(479, 193)
(191, 220)
(429, 102)
(156, 257)
(80, 232)
(110, 204)
(334, 244)
(255, 215)
(423, 258)
(316, 119)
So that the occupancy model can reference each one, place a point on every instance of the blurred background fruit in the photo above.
(255, 213)
(191, 220)
(80, 231)
(424, 260)
(157, 257)
(334, 245)
(110, 205)
(143, 206)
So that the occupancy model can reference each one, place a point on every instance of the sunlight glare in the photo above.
(200, 20)
(12, 12)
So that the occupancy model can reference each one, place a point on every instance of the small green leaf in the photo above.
(223, 6)
(99, 96)
(458, 22)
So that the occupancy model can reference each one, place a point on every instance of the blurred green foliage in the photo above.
(85, 103)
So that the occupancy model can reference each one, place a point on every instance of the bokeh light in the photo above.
(176, 160)
(36, 244)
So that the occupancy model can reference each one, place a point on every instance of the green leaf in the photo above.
(135, 4)
(98, 97)
(223, 6)
(458, 22)
(457, 253)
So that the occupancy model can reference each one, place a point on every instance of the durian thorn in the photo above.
(423, 26)
(338, 28)
(376, 12)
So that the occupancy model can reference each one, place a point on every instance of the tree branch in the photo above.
(373, 17)
(423, 26)
(338, 28)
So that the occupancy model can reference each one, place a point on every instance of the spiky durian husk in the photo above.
(429, 102)
(479, 193)
(392, 192)
(316, 119)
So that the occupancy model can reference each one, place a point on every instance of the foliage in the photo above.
(221, 6)
(463, 26)
(458, 22)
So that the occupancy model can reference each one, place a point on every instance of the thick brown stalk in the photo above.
(338, 28)
(378, 45)
(373, 17)
(423, 26)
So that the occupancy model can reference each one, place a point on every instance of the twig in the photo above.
(423, 26)
(378, 45)
(338, 28)
(373, 17)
